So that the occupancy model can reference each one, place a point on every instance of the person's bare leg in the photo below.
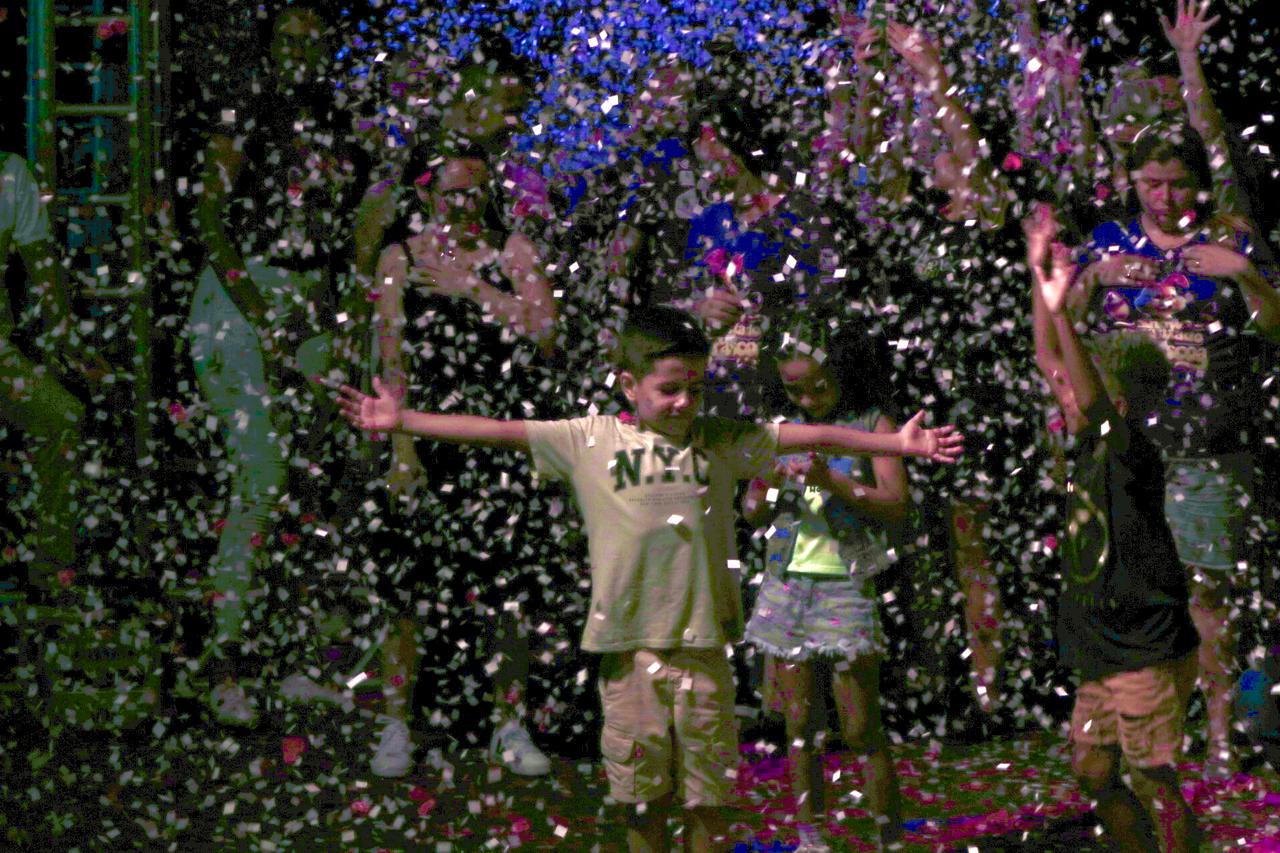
(511, 654)
(37, 404)
(1211, 613)
(399, 665)
(794, 686)
(983, 607)
(647, 828)
(1175, 824)
(1121, 813)
(857, 692)
(708, 829)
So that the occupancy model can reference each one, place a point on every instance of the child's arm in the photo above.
(1083, 381)
(383, 414)
(1186, 33)
(943, 444)
(756, 507)
(1040, 228)
(523, 267)
(885, 499)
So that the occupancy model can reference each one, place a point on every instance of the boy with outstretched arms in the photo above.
(657, 495)
(1124, 620)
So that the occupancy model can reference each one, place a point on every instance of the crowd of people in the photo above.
(720, 336)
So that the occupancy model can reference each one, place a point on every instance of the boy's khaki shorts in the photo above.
(1143, 711)
(668, 725)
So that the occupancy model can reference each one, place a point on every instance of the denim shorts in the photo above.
(1203, 503)
(799, 617)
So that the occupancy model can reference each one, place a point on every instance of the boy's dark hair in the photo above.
(650, 334)
(1163, 142)
(1132, 366)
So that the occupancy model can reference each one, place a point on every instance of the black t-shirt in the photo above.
(1124, 603)
(463, 362)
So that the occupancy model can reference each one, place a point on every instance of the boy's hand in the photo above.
(1055, 284)
(817, 473)
(372, 414)
(1040, 229)
(1189, 26)
(802, 469)
(943, 444)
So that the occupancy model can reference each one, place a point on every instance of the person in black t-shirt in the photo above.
(462, 302)
(1124, 618)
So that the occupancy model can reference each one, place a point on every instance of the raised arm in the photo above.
(962, 170)
(382, 413)
(1048, 96)
(1083, 388)
(922, 56)
(943, 444)
(1186, 33)
(1041, 229)
(537, 303)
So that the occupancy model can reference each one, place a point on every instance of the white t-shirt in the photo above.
(23, 217)
(659, 520)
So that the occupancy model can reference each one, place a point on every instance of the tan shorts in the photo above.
(1143, 711)
(668, 725)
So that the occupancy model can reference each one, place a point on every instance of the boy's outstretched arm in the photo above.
(383, 414)
(943, 444)
(1083, 381)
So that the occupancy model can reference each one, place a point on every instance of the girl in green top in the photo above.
(832, 522)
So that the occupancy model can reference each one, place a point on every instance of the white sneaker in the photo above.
(231, 705)
(514, 749)
(394, 756)
(300, 688)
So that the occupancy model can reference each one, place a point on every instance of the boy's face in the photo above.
(667, 398)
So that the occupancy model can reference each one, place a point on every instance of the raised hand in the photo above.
(1040, 228)
(1189, 25)
(373, 414)
(918, 51)
(1057, 281)
(944, 444)
(1066, 56)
